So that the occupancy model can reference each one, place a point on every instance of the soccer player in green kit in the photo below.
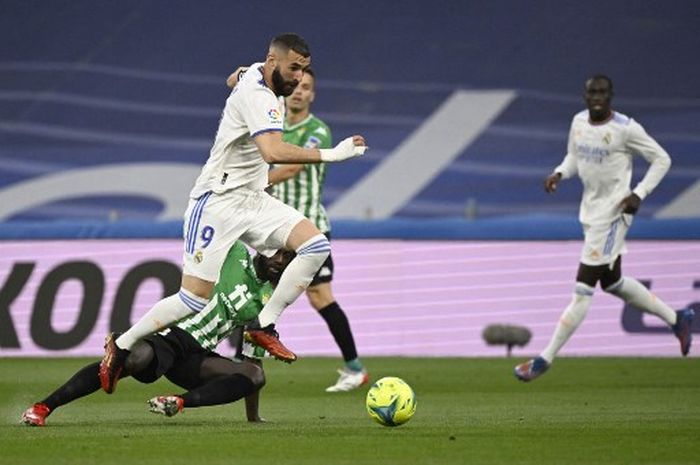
(184, 353)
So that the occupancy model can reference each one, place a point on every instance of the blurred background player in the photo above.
(301, 186)
(228, 202)
(600, 148)
(184, 354)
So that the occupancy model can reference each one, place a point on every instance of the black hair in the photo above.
(310, 72)
(291, 41)
(597, 77)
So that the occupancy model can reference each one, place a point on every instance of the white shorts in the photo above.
(213, 222)
(604, 243)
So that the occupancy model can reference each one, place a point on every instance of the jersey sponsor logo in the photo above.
(591, 153)
(274, 115)
(237, 299)
(313, 142)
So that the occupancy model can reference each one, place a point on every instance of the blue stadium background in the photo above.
(89, 83)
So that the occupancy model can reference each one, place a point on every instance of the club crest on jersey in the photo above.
(607, 138)
(313, 142)
(274, 115)
(198, 257)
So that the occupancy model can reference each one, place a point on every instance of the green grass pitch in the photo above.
(472, 411)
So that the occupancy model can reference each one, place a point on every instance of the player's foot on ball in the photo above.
(166, 405)
(531, 369)
(112, 364)
(683, 329)
(36, 415)
(349, 380)
(268, 339)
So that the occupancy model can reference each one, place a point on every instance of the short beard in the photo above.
(282, 88)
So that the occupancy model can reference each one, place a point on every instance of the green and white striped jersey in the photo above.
(304, 191)
(238, 297)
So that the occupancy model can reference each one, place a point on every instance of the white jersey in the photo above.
(234, 160)
(601, 154)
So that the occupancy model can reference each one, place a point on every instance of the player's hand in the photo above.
(551, 183)
(359, 141)
(349, 147)
(630, 204)
(236, 76)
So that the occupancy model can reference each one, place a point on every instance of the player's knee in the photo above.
(140, 358)
(191, 301)
(318, 246)
(319, 297)
(583, 291)
(615, 288)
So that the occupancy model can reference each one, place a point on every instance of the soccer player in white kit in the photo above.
(228, 202)
(600, 149)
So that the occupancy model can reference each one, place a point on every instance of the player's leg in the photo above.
(217, 381)
(208, 234)
(312, 249)
(635, 293)
(281, 226)
(321, 298)
(602, 245)
(570, 320)
(84, 382)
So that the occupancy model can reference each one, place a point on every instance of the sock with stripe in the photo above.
(161, 315)
(634, 293)
(296, 277)
(570, 320)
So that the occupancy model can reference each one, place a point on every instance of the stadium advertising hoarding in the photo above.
(413, 298)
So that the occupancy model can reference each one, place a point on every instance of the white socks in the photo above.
(628, 289)
(296, 277)
(162, 315)
(569, 320)
(633, 292)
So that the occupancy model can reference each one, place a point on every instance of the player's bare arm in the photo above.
(282, 173)
(275, 151)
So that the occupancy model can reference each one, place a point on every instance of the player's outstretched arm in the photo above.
(350, 147)
(252, 401)
(275, 151)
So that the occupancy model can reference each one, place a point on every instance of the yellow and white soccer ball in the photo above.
(391, 401)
